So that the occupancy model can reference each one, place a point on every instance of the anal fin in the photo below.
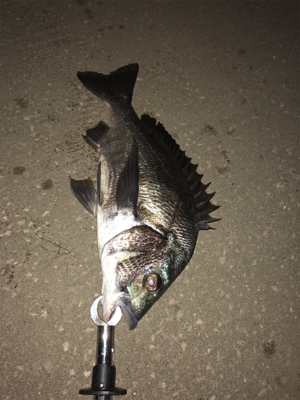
(94, 136)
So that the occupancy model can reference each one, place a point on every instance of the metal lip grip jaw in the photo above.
(104, 372)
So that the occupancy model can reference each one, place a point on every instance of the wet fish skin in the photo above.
(150, 202)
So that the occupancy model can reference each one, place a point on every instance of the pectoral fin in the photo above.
(128, 184)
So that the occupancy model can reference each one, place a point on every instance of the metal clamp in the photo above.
(104, 372)
(115, 319)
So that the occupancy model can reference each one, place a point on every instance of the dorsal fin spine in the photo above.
(198, 189)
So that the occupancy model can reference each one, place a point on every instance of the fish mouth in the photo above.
(124, 302)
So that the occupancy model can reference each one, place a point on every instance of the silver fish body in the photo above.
(150, 202)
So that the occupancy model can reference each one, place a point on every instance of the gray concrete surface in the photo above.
(224, 80)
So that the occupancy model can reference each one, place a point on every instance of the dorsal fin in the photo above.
(198, 188)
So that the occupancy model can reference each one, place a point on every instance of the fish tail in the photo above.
(115, 87)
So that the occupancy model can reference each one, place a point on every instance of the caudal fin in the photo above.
(116, 86)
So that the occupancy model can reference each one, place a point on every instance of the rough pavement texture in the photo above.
(223, 78)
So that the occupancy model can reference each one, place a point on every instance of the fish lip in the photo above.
(124, 302)
(107, 316)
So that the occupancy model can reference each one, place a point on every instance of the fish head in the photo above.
(138, 275)
(150, 282)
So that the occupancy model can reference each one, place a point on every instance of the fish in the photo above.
(149, 200)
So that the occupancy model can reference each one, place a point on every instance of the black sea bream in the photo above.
(150, 202)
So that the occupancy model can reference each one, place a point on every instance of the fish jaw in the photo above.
(124, 302)
(115, 295)
(136, 266)
(119, 299)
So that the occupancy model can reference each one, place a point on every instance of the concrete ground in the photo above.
(223, 78)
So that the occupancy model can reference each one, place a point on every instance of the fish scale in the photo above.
(150, 202)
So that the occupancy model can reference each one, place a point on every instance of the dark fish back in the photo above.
(193, 180)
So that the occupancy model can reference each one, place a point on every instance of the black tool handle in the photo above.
(104, 372)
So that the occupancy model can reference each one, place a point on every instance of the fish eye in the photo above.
(153, 282)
